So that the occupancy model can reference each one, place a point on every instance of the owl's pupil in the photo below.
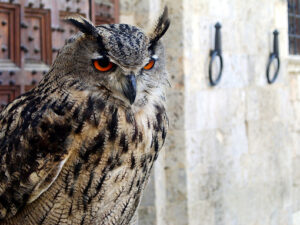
(104, 62)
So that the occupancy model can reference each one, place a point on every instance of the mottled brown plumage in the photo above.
(78, 148)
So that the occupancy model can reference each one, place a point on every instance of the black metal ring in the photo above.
(271, 59)
(214, 54)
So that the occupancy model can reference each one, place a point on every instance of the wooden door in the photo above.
(32, 32)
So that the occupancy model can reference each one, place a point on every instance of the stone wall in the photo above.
(232, 155)
(294, 71)
(238, 134)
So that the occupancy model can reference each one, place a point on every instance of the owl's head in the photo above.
(118, 58)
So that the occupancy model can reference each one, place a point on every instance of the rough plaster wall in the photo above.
(232, 155)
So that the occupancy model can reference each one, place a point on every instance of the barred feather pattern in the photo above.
(108, 151)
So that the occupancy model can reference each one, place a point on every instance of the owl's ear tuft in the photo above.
(161, 27)
(84, 25)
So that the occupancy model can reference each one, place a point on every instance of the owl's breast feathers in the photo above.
(75, 154)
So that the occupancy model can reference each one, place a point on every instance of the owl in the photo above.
(78, 148)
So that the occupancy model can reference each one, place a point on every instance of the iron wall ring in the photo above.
(271, 59)
(214, 55)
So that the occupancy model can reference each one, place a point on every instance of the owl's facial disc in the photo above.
(103, 64)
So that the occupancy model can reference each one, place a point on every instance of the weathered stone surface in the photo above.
(268, 104)
(146, 210)
(175, 173)
(176, 109)
(147, 215)
(211, 109)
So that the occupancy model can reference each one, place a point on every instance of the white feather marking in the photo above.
(155, 57)
(37, 191)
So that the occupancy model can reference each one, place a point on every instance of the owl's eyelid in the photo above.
(155, 57)
(102, 57)
(99, 57)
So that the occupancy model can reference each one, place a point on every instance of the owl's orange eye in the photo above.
(103, 64)
(150, 65)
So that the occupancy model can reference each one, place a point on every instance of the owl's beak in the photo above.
(129, 89)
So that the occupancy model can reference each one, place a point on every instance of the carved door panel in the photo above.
(105, 11)
(32, 32)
